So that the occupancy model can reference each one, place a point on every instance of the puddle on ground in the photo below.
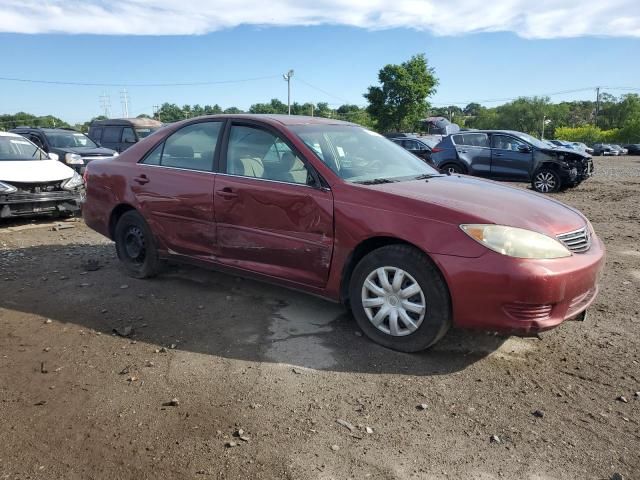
(295, 332)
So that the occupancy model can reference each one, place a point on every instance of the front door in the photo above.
(271, 216)
(174, 187)
(511, 158)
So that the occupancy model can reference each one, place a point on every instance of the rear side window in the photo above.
(153, 158)
(96, 134)
(112, 134)
(472, 139)
(192, 147)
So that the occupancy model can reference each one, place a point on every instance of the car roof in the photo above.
(9, 134)
(286, 120)
(510, 132)
(136, 122)
(43, 129)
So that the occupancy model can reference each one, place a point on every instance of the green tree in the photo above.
(170, 112)
(401, 99)
(232, 110)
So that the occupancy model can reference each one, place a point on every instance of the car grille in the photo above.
(578, 241)
(40, 187)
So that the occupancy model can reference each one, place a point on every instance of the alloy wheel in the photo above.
(393, 301)
(545, 182)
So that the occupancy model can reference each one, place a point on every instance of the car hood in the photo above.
(88, 151)
(34, 171)
(483, 201)
(579, 153)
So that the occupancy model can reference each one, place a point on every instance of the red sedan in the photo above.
(339, 211)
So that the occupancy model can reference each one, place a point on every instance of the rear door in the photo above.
(511, 158)
(473, 150)
(271, 216)
(174, 187)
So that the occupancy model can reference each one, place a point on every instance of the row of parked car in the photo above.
(503, 155)
(41, 168)
(602, 149)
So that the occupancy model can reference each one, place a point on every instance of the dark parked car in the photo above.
(72, 147)
(339, 211)
(121, 133)
(512, 156)
(633, 148)
(419, 146)
(601, 149)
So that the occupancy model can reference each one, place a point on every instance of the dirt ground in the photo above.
(78, 401)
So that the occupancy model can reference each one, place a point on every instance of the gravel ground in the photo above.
(219, 377)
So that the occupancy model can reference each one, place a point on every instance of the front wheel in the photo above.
(399, 299)
(135, 246)
(546, 181)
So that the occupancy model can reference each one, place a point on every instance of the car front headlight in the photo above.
(74, 182)
(516, 242)
(115, 154)
(6, 188)
(73, 159)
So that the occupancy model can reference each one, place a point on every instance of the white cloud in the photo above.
(527, 18)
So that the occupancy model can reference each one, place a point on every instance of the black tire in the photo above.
(452, 169)
(437, 312)
(136, 247)
(546, 180)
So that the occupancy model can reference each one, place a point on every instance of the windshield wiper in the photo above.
(376, 181)
(426, 176)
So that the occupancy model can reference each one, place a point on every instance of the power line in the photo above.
(125, 84)
(323, 91)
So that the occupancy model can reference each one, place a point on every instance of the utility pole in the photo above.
(544, 121)
(105, 104)
(124, 100)
(597, 105)
(287, 78)
(156, 111)
(312, 107)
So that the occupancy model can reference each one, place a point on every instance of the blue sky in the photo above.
(340, 60)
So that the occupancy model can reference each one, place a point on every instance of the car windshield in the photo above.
(359, 155)
(532, 140)
(17, 148)
(69, 140)
(145, 132)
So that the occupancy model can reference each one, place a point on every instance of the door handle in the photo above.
(462, 151)
(227, 192)
(142, 179)
(498, 154)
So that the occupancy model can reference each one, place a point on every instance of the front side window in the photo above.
(504, 142)
(254, 152)
(359, 155)
(192, 147)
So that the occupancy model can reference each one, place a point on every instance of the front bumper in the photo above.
(521, 296)
(24, 204)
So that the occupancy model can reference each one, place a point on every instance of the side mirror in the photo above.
(53, 156)
(523, 149)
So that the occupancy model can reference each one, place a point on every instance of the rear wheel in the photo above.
(546, 181)
(399, 299)
(135, 246)
(451, 169)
